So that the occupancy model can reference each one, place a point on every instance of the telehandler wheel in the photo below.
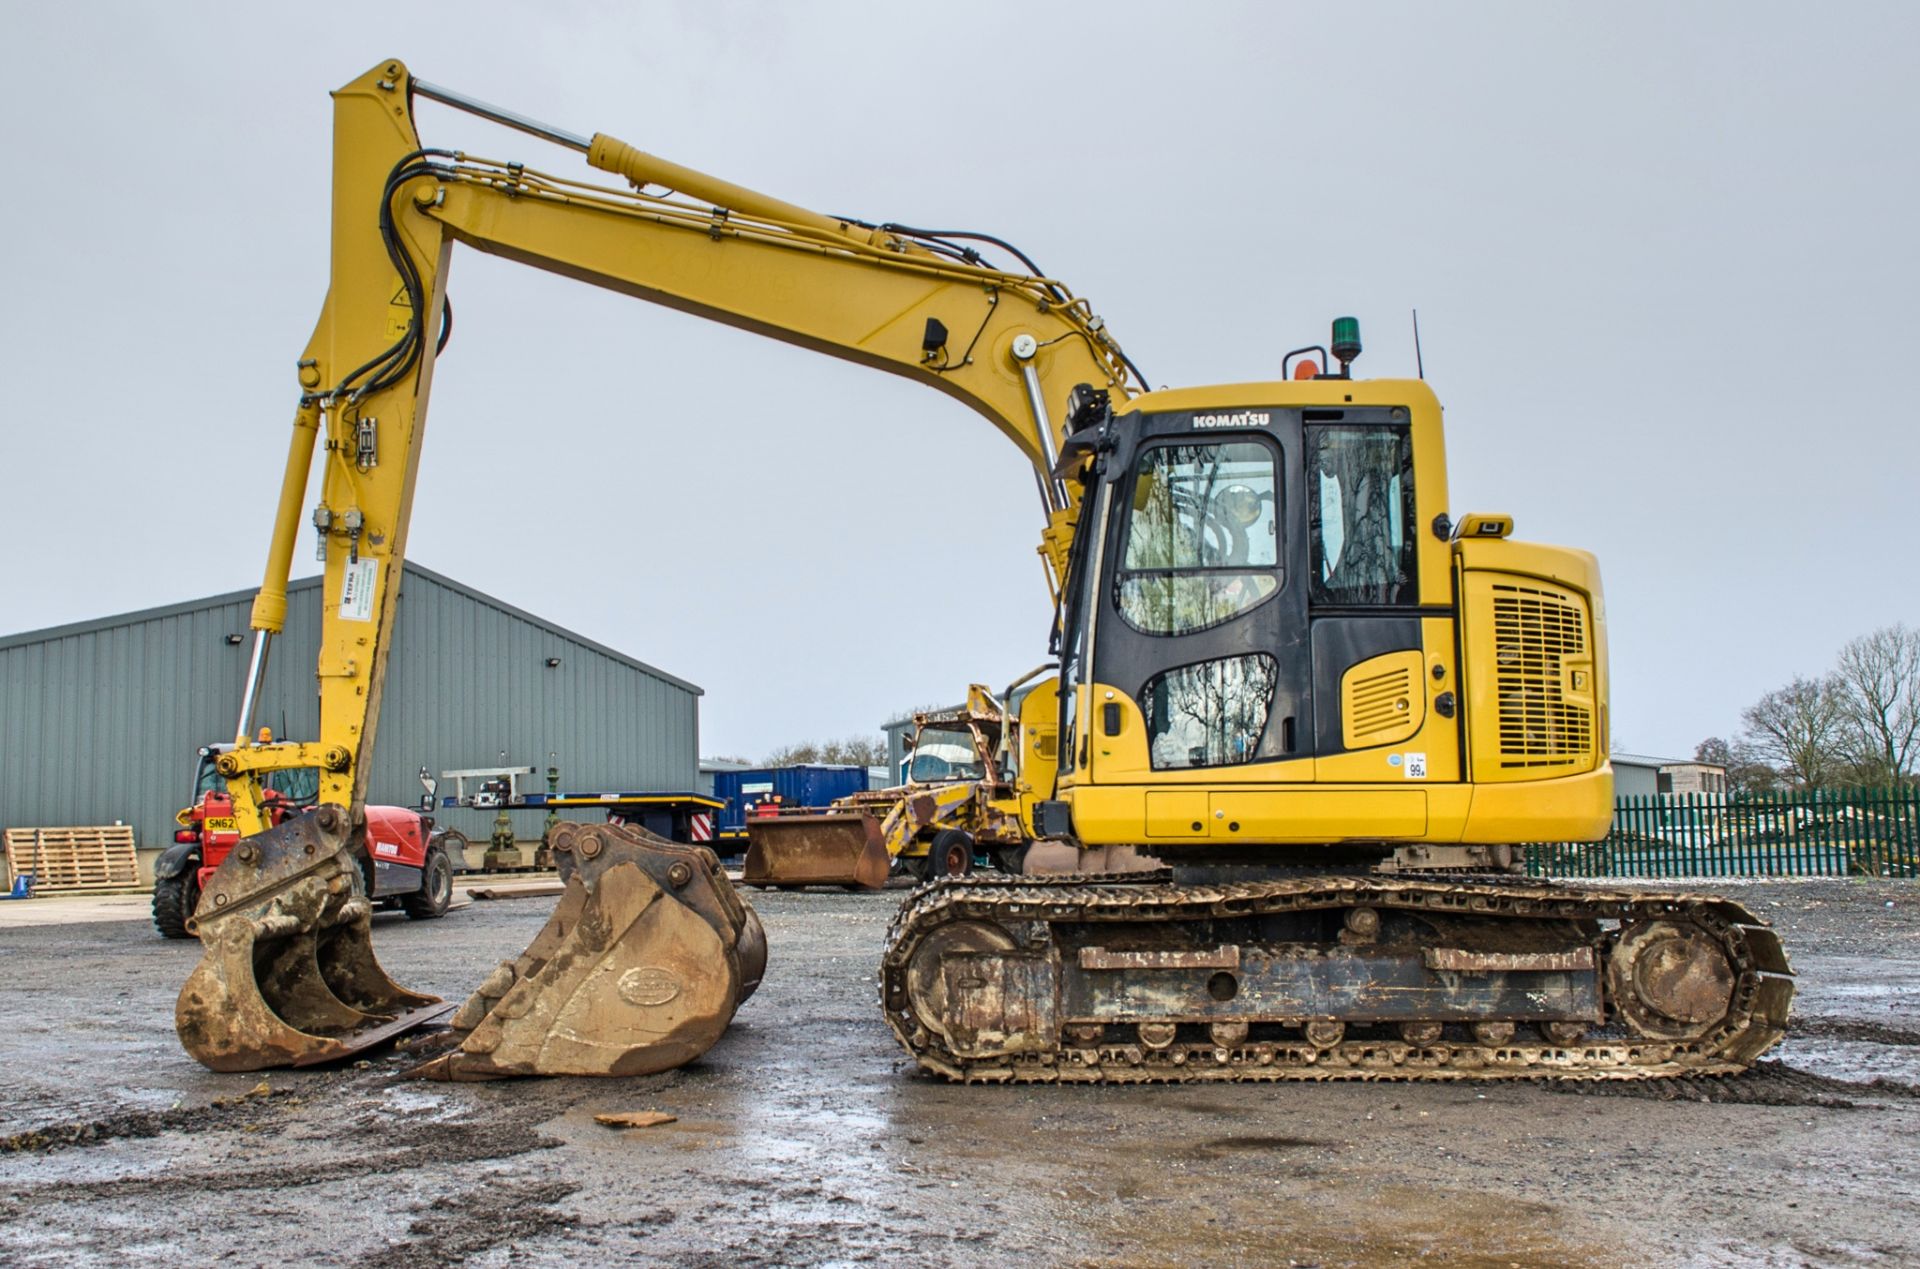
(436, 887)
(174, 899)
(950, 854)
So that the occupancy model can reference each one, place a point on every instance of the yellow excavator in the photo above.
(1283, 668)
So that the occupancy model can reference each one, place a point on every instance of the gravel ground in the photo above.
(805, 1137)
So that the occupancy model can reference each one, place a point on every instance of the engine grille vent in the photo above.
(1534, 631)
(1380, 701)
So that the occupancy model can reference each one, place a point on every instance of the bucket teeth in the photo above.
(833, 849)
(647, 954)
(287, 975)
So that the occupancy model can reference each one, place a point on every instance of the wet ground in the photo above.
(805, 1137)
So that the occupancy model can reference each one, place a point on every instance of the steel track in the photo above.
(1754, 1022)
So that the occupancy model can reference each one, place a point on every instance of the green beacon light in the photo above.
(1346, 342)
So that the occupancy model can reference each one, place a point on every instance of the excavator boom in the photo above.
(927, 306)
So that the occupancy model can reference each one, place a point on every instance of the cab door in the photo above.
(1203, 612)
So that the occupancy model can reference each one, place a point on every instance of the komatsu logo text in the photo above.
(1246, 418)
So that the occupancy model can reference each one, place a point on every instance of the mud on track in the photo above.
(804, 1137)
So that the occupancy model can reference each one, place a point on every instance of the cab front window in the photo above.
(944, 753)
(1211, 714)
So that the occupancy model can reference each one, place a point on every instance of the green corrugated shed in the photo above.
(101, 721)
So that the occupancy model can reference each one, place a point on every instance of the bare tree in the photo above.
(853, 751)
(1878, 684)
(1799, 730)
(856, 751)
(1746, 773)
(794, 755)
(1714, 752)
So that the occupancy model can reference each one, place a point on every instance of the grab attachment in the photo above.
(640, 968)
(287, 975)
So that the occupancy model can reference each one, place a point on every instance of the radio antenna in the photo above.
(1419, 366)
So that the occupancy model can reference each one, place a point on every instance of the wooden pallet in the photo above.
(74, 860)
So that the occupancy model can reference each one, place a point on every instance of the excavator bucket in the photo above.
(648, 953)
(833, 849)
(287, 975)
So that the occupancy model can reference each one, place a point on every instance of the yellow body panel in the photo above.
(1277, 815)
(1036, 747)
(1536, 661)
(1570, 809)
(1431, 751)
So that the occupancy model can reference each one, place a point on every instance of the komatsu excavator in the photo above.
(1282, 665)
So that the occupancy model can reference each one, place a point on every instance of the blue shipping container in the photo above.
(808, 785)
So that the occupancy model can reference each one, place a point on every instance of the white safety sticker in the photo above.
(386, 848)
(1415, 766)
(356, 590)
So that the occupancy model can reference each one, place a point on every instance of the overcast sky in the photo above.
(1664, 256)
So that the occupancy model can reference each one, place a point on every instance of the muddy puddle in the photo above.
(1854, 1061)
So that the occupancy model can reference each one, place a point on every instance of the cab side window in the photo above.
(1360, 515)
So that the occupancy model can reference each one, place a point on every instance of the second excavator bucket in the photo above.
(833, 849)
(647, 954)
(287, 975)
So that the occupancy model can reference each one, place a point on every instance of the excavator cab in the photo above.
(1277, 639)
(942, 754)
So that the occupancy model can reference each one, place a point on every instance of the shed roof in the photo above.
(1648, 760)
(73, 629)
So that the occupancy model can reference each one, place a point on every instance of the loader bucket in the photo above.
(836, 849)
(647, 954)
(287, 975)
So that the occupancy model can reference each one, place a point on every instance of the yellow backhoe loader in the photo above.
(1282, 661)
(961, 799)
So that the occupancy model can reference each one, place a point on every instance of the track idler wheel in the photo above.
(647, 955)
(287, 975)
(1670, 980)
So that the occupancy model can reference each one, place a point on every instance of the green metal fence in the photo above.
(1815, 833)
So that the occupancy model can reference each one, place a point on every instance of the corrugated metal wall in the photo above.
(100, 721)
